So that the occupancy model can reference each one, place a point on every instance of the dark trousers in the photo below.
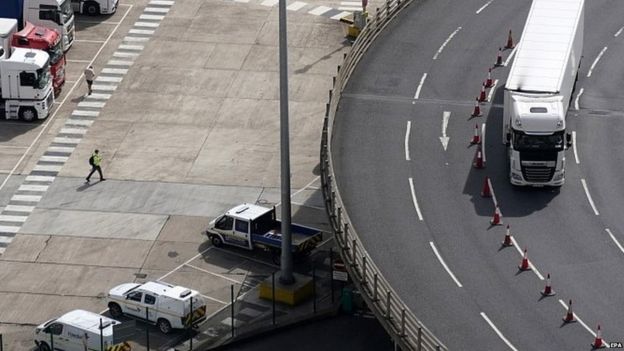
(93, 169)
(89, 84)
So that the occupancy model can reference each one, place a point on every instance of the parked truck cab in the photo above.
(54, 14)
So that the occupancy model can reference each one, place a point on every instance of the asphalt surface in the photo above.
(489, 305)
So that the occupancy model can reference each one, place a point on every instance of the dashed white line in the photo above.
(615, 240)
(589, 198)
(296, 6)
(124, 54)
(85, 113)
(31, 187)
(47, 168)
(319, 10)
(578, 96)
(9, 229)
(535, 270)
(131, 47)
(340, 15)
(152, 17)
(420, 85)
(407, 134)
(513, 52)
(26, 198)
(411, 183)
(435, 57)
(60, 159)
(500, 335)
(576, 158)
(156, 9)
(141, 31)
(18, 219)
(136, 39)
(147, 24)
(578, 319)
(483, 152)
(591, 69)
(435, 251)
(213, 273)
(483, 7)
(492, 88)
(618, 32)
(18, 208)
(162, 2)
(42, 179)
(119, 63)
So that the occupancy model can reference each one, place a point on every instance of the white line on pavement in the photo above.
(141, 31)
(537, 273)
(26, 198)
(152, 17)
(304, 188)
(589, 197)
(591, 69)
(77, 61)
(69, 94)
(492, 88)
(213, 273)
(350, 8)
(119, 63)
(340, 15)
(162, 2)
(435, 251)
(420, 85)
(5, 218)
(185, 263)
(500, 335)
(615, 240)
(578, 96)
(131, 47)
(411, 183)
(9, 229)
(296, 6)
(31, 187)
(65, 140)
(407, 134)
(483, 152)
(215, 300)
(618, 32)
(435, 57)
(319, 10)
(89, 41)
(60, 159)
(513, 52)
(483, 7)
(156, 9)
(43, 179)
(576, 158)
(18, 208)
(86, 113)
(147, 24)
(578, 319)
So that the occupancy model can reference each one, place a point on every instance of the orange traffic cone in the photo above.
(475, 138)
(569, 317)
(524, 264)
(510, 43)
(477, 109)
(548, 291)
(499, 57)
(497, 218)
(478, 161)
(482, 96)
(507, 242)
(488, 81)
(598, 344)
(486, 192)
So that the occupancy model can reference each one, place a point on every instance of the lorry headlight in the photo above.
(516, 176)
(559, 176)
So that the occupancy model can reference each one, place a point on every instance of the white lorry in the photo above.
(95, 7)
(25, 84)
(160, 303)
(77, 330)
(539, 90)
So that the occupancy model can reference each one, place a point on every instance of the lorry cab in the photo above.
(55, 14)
(77, 330)
(94, 7)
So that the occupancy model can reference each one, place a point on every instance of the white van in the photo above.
(78, 330)
(163, 304)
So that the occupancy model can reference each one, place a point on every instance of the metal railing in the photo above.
(407, 331)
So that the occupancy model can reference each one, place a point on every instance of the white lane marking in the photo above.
(26, 198)
(350, 8)
(492, 88)
(351, 3)
(18, 208)
(119, 63)
(578, 319)
(483, 7)
(88, 41)
(591, 69)
(215, 300)
(307, 186)
(47, 168)
(9, 229)
(483, 152)
(131, 47)
(500, 335)
(618, 32)
(589, 198)
(42, 179)
(537, 273)
(513, 52)
(147, 24)
(108, 79)
(213, 273)
(411, 183)
(615, 240)
(420, 85)
(578, 96)
(136, 39)
(319, 10)
(576, 158)
(407, 134)
(435, 251)
(64, 140)
(444, 139)
(50, 119)
(73, 131)
(60, 159)
(96, 96)
(104, 87)
(5, 218)
(269, 3)
(141, 31)
(152, 17)
(123, 54)
(78, 122)
(77, 61)
(156, 9)
(85, 113)
(185, 263)
(340, 15)
(162, 2)
(296, 6)
(31, 187)
(435, 57)
(92, 104)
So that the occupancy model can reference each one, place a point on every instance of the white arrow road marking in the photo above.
(444, 139)
(435, 251)
(500, 335)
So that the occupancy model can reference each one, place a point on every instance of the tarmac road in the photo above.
(449, 265)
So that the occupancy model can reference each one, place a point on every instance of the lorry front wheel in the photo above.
(27, 114)
(43, 346)
(216, 241)
(92, 9)
(164, 326)
(115, 310)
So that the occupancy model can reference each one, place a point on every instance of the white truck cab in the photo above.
(77, 330)
(95, 7)
(53, 14)
(163, 304)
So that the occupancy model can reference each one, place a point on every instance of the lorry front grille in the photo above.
(538, 174)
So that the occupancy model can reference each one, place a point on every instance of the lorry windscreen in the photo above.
(43, 77)
(66, 11)
(525, 142)
(55, 52)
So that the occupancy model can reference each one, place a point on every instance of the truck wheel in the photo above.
(164, 326)
(27, 114)
(216, 241)
(43, 346)
(92, 9)
(115, 310)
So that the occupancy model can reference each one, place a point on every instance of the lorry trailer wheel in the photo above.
(92, 9)
(27, 114)
(115, 310)
(216, 241)
(164, 326)
(43, 346)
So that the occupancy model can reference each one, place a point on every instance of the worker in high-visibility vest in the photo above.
(95, 160)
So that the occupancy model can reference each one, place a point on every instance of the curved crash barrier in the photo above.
(407, 331)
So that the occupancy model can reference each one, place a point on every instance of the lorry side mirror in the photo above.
(569, 140)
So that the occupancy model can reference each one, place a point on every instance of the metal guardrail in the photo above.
(407, 331)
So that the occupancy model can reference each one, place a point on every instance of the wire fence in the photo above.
(407, 331)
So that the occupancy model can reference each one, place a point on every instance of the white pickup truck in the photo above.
(160, 303)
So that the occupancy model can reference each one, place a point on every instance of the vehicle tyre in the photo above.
(92, 9)
(164, 326)
(115, 310)
(43, 346)
(276, 257)
(216, 241)
(27, 114)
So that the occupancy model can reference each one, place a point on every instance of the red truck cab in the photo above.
(48, 40)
